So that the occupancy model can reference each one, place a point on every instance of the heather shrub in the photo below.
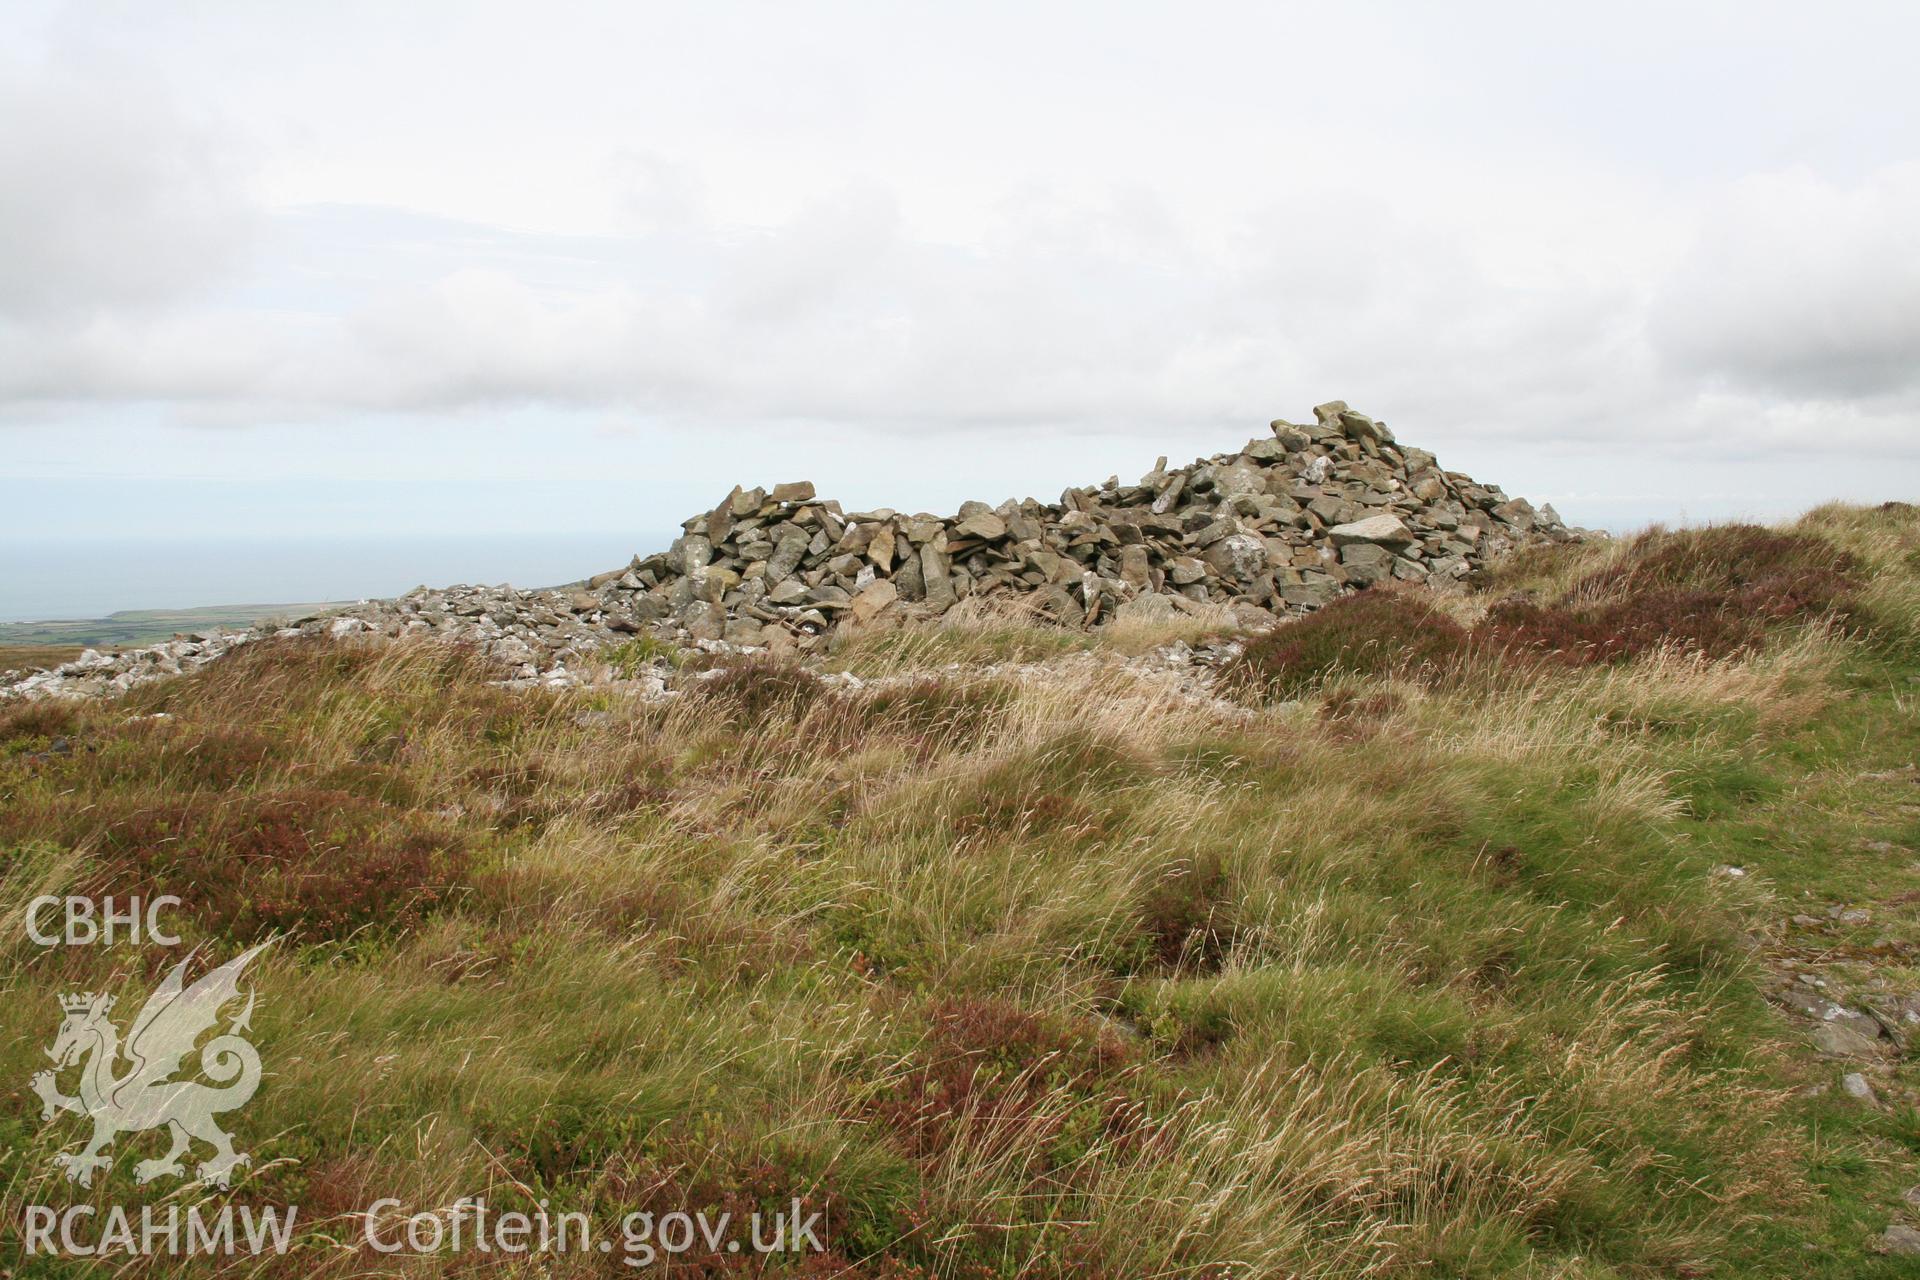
(381, 782)
(515, 791)
(1382, 632)
(1711, 591)
(1354, 711)
(1005, 1081)
(218, 759)
(1617, 630)
(1187, 916)
(1773, 573)
(1885, 610)
(314, 864)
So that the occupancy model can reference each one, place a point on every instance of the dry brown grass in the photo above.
(36, 657)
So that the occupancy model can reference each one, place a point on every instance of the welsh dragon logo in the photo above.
(144, 1094)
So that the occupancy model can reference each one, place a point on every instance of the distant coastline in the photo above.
(132, 627)
(97, 583)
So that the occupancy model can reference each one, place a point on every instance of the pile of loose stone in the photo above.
(1283, 526)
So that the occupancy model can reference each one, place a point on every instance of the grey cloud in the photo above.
(1799, 288)
(110, 195)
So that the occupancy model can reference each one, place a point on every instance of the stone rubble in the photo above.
(95, 674)
(1281, 527)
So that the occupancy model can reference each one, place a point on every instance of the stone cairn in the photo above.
(1283, 526)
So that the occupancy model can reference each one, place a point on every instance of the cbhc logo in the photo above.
(87, 922)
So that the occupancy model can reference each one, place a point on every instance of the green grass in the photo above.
(1039, 974)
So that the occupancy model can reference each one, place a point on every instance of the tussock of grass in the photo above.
(1411, 964)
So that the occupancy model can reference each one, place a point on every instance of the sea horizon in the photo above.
(76, 579)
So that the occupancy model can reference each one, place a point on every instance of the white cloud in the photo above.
(1026, 222)
(111, 197)
(1802, 288)
(1138, 325)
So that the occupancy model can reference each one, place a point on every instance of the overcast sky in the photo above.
(445, 269)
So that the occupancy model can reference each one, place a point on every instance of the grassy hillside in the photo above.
(1456, 941)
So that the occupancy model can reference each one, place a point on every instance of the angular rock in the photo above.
(786, 557)
(874, 598)
(1185, 570)
(790, 590)
(1359, 426)
(795, 491)
(936, 585)
(1386, 530)
(1239, 556)
(1328, 414)
(703, 620)
(880, 549)
(984, 525)
(1837, 1040)
(1311, 593)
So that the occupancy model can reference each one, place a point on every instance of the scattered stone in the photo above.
(1901, 1239)
(1818, 1007)
(1840, 1041)
(1856, 1086)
